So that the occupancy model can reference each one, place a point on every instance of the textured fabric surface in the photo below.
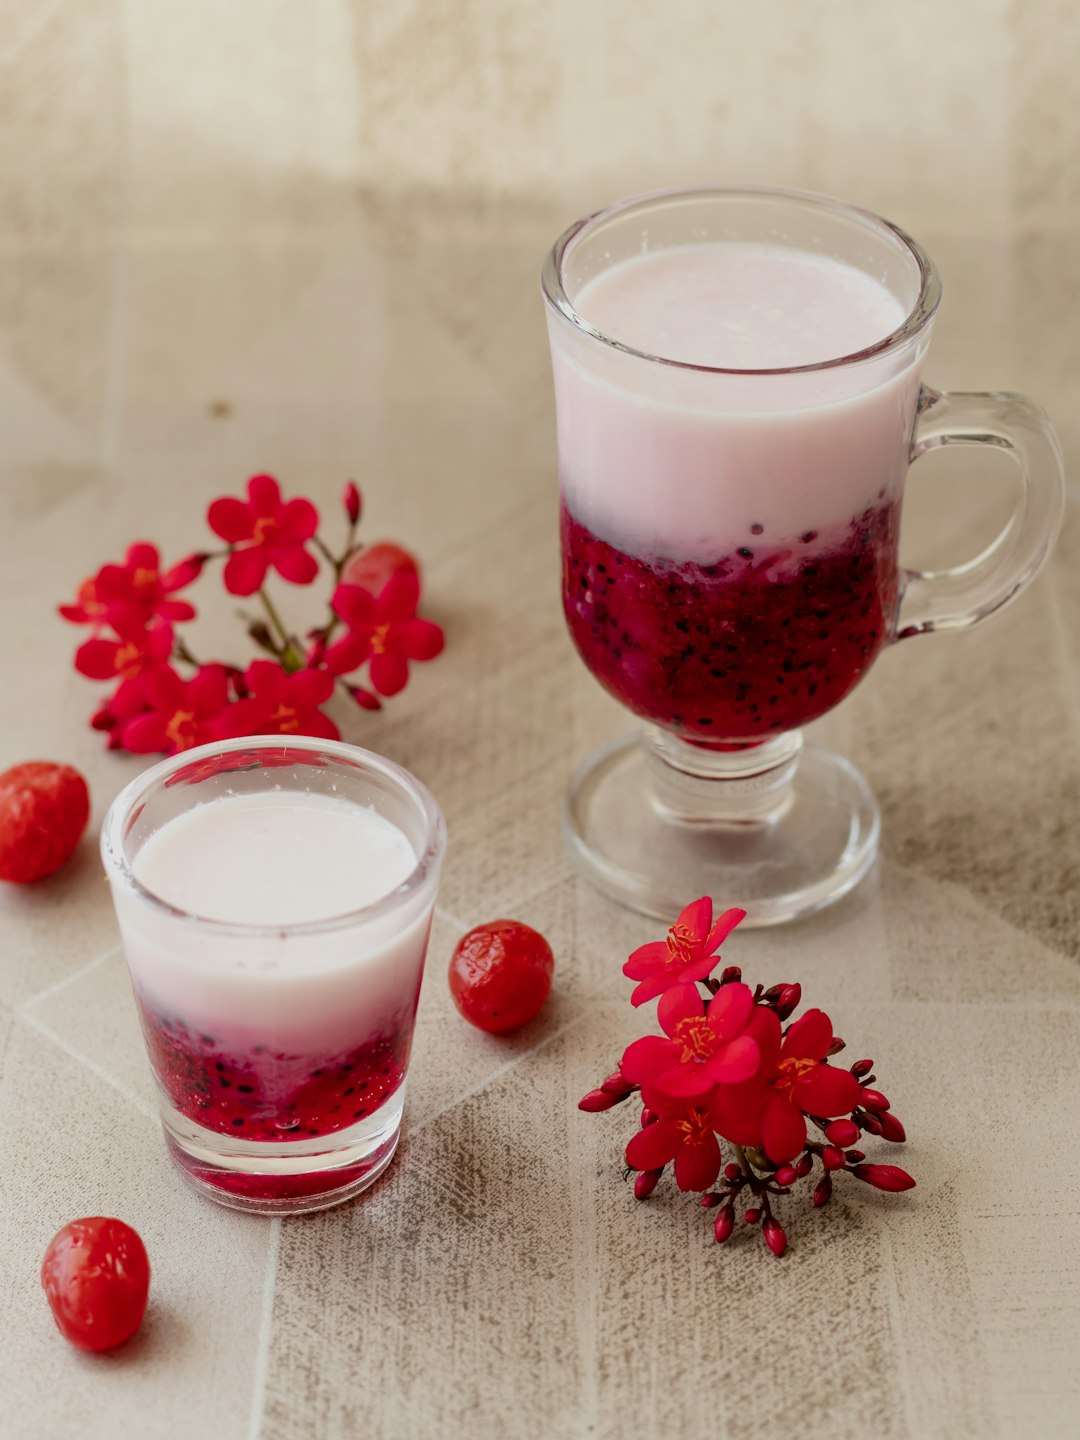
(306, 238)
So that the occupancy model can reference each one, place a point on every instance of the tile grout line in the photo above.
(54, 989)
(266, 1327)
(91, 1065)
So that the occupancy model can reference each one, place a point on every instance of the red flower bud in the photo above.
(884, 1177)
(775, 1237)
(854, 1156)
(648, 1117)
(732, 1171)
(870, 1123)
(861, 1068)
(645, 1183)
(350, 498)
(842, 1132)
(752, 1217)
(595, 1101)
(788, 1001)
(364, 698)
(731, 976)
(724, 1224)
(803, 1167)
(832, 1158)
(786, 1175)
(873, 1100)
(617, 1084)
(837, 1045)
(892, 1129)
(822, 1191)
(710, 1200)
(316, 653)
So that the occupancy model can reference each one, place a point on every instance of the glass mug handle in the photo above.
(964, 594)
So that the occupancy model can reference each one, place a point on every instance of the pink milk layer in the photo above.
(276, 1036)
(729, 539)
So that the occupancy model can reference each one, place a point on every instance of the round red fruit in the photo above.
(43, 813)
(377, 563)
(96, 1278)
(500, 975)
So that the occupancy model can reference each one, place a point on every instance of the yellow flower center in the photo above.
(378, 639)
(266, 528)
(790, 1071)
(286, 720)
(182, 731)
(680, 943)
(696, 1036)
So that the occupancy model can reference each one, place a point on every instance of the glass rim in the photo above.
(118, 867)
(914, 323)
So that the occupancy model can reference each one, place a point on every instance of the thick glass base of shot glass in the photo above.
(287, 1179)
(780, 828)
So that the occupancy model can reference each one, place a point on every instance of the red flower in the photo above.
(385, 630)
(688, 953)
(182, 713)
(266, 531)
(771, 1111)
(137, 585)
(684, 1133)
(705, 1047)
(137, 649)
(289, 704)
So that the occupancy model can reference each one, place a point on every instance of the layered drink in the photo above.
(730, 512)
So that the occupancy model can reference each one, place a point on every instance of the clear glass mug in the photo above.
(280, 1050)
(730, 559)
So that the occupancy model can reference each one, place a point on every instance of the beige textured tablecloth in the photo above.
(306, 238)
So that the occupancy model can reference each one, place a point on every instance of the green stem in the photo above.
(291, 655)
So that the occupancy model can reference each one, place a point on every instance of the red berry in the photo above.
(43, 813)
(500, 975)
(96, 1278)
(375, 564)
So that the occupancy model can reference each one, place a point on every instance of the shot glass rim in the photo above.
(118, 866)
(913, 325)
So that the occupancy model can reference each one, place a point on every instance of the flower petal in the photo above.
(683, 1080)
(294, 563)
(175, 610)
(783, 1130)
(389, 673)
(730, 1010)
(679, 1002)
(736, 1062)
(696, 1166)
(764, 1027)
(298, 519)
(355, 605)
(646, 1057)
(314, 722)
(245, 570)
(399, 597)
(723, 928)
(208, 691)
(266, 679)
(736, 1110)
(419, 639)
(654, 985)
(654, 1146)
(96, 659)
(231, 519)
(143, 734)
(828, 1091)
(264, 493)
(697, 917)
(308, 688)
(810, 1036)
(644, 960)
(348, 653)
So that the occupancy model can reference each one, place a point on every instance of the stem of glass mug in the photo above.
(699, 786)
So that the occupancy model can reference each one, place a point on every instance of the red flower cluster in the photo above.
(725, 1071)
(133, 610)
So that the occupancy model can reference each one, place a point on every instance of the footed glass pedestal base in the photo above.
(779, 828)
